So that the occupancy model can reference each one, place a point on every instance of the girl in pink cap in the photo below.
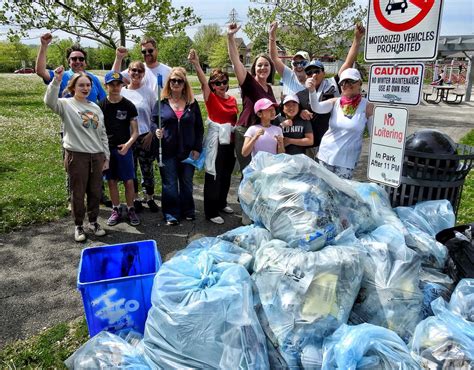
(264, 136)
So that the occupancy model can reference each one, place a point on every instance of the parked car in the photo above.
(25, 70)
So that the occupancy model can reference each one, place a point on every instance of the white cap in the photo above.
(302, 54)
(291, 98)
(350, 74)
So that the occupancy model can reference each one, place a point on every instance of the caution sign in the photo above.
(387, 144)
(402, 29)
(396, 83)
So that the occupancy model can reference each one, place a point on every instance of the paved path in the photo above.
(39, 263)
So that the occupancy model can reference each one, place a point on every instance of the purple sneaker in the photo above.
(132, 216)
(114, 218)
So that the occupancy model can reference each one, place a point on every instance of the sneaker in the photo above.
(133, 218)
(227, 210)
(96, 229)
(217, 220)
(114, 218)
(246, 219)
(137, 204)
(79, 234)
(190, 218)
(172, 222)
(152, 206)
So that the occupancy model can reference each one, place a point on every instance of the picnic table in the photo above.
(441, 93)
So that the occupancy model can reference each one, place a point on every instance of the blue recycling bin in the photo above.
(115, 282)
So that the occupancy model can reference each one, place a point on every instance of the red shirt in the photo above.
(222, 110)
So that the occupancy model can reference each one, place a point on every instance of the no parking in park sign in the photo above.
(402, 29)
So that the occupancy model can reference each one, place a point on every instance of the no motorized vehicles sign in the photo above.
(402, 29)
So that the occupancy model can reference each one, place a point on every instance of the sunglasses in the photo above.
(177, 81)
(302, 63)
(314, 71)
(136, 70)
(219, 83)
(75, 59)
(348, 82)
(147, 51)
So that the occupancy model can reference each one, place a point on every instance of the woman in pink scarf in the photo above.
(342, 143)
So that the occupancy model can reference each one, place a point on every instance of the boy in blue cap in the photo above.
(122, 130)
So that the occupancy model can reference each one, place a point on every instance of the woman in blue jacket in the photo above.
(181, 134)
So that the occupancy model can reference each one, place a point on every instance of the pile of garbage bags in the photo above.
(329, 276)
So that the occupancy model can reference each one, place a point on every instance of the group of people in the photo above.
(148, 113)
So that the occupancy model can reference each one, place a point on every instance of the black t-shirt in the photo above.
(117, 117)
(298, 130)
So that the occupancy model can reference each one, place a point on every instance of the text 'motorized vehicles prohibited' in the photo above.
(402, 29)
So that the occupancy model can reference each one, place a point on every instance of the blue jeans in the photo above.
(177, 189)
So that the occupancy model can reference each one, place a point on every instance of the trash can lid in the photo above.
(430, 141)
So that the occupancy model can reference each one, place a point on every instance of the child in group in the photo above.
(263, 136)
(297, 132)
(120, 116)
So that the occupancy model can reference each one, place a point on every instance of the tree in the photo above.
(219, 56)
(310, 25)
(108, 22)
(174, 50)
(57, 52)
(205, 39)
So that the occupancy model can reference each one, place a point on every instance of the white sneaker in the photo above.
(246, 219)
(217, 220)
(96, 229)
(227, 210)
(79, 234)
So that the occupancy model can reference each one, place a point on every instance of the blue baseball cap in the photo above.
(113, 76)
(314, 64)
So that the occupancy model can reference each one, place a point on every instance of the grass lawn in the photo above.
(32, 190)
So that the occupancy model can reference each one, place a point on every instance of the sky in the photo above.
(457, 17)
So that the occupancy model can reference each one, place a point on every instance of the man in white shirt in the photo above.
(153, 68)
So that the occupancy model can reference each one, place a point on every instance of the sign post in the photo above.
(402, 30)
(387, 144)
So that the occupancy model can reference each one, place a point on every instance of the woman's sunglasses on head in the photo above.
(75, 59)
(147, 51)
(219, 83)
(177, 81)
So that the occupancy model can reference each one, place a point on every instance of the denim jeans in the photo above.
(177, 189)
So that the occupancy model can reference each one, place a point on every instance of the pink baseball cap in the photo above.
(263, 104)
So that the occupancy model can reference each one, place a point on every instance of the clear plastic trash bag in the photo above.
(433, 284)
(248, 237)
(301, 202)
(462, 300)
(445, 340)
(304, 296)
(423, 223)
(389, 294)
(110, 351)
(202, 313)
(199, 162)
(366, 346)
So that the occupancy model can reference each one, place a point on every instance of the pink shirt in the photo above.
(267, 142)
(179, 113)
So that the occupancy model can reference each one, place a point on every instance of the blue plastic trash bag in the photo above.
(301, 202)
(249, 237)
(382, 212)
(445, 340)
(203, 315)
(304, 296)
(198, 163)
(423, 223)
(389, 294)
(109, 351)
(366, 346)
(433, 284)
(462, 300)
(221, 251)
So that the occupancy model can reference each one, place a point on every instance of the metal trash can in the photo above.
(434, 167)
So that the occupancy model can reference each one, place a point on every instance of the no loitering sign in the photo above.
(387, 145)
(402, 30)
(396, 83)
